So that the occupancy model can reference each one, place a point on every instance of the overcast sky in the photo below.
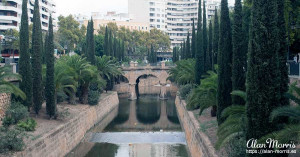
(66, 7)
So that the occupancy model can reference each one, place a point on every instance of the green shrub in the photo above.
(93, 98)
(61, 97)
(15, 113)
(185, 90)
(11, 139)
(29, 124)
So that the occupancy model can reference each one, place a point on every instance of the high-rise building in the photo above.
(180, 15)
(11, 11)
(174, 17)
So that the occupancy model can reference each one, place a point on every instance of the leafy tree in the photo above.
(7, 86)
(224, 62)
(193, 40)
(69, 32)
(262, 97)
(239, 54)
(50, 79)
(24, 60)
(216, 37)
(37, 59)
(99, 45)
(205, 43)
(199, 66)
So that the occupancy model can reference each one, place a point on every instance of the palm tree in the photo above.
(205, 95)
(6, 86)
(183, 73)
(85, 74)
(108, 67)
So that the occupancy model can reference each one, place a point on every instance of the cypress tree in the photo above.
(239, 55)
(110, 44)
(24, 61)
(199, 67)
(282, 54)
(263, 79)
(91, 43)
(216, 37)
(50, 85)
(87, 38)
(206, 66)
(184, 50)
(224, 62)
(122, 50)
(37, 59)
(210, 46)
(175, 54)
(105, 46)
(188, 46)
(193, 40)
(115, 47)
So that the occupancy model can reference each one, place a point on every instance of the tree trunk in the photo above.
(213, 111)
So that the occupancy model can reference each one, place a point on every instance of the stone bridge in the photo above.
(134, 72)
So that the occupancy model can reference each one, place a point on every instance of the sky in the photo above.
(66, 7)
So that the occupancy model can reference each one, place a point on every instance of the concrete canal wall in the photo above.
(61, 140)
(198, 143)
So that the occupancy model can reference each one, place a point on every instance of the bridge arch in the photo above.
(133, 73)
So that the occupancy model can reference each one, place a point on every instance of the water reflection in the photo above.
(137, 150)
(148, 113)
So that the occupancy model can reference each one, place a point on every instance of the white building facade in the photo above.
(174, 17)
(11, 11)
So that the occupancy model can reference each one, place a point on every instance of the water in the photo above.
(147, 127)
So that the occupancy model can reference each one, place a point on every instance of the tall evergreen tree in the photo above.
(239, 61)
(193, 51)
(37, 46)
(205, 43)
(87, 39)
(210, 47)
(91, 45)
(224, 62)
(110, 43)
(263, 79)
(282, 54)
(184, 50)
(106, 46)
(216, 37)
(122, 50)
(175, 54)
(199, 66)
(50, 85)
(188, 47)
(24, 61)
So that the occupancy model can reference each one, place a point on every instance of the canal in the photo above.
(147, 127)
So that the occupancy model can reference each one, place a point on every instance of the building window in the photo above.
(158, 26)
(152, 9)
(151, 14)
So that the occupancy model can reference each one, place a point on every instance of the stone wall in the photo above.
(4, 103)
(198, 143)
(61, 140)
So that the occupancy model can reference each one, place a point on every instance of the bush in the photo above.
(11, 139)
(185, 90)
(29, 124)
(93, 98)
(61, 97)
(15, 113)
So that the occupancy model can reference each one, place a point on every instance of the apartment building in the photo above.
(175, 17)
(11, 11)
(180, 15)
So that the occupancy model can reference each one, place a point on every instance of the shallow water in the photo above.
(147, 127)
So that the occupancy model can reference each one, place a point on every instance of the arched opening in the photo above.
(147, 85)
